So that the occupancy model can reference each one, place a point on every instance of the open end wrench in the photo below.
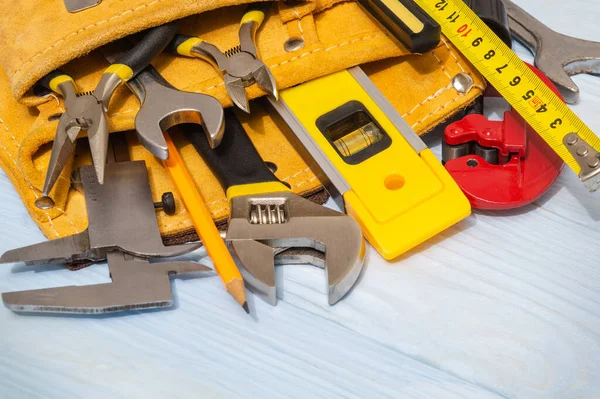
(163, 106)
(266, 216)
(556, 55)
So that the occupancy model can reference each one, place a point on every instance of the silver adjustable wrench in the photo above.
(267, 219)
(558, 56)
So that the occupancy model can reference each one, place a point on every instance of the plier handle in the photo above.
(87, 111)
(240, 66)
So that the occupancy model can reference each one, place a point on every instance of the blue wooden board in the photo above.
(503, 305)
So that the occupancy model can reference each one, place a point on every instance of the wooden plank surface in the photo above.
(503, 305)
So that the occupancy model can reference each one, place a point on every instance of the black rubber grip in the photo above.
(235, 161)
(263, 6)
(45, 81)
(494, 14)
(176, 42)
(153, 43)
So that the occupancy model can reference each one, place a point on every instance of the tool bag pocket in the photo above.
(298, 41)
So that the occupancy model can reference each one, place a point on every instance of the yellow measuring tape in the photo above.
(551, 118)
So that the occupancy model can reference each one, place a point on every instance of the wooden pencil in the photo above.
(205, 226)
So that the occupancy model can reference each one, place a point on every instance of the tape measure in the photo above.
(551, 118)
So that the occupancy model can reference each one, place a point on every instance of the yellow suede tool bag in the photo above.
(298, 41)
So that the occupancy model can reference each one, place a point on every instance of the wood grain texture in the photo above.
(503, 305)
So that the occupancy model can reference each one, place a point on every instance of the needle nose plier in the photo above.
(87, 111)
(240, 66)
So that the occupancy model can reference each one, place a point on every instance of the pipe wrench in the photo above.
(87, 111)
(240, 66)
(267, 217)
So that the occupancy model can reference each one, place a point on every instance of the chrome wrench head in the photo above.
(260, 224)
(558, 56)
(163, 106)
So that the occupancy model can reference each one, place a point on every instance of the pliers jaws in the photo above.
(240, 66)
(86, 112)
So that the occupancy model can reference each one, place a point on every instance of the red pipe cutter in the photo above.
(500, 164)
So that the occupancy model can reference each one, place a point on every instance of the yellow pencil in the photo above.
(205, 226)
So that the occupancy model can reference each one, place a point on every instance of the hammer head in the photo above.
(164, 107)
(260, 223)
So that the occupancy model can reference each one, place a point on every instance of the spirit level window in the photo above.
(353, 132)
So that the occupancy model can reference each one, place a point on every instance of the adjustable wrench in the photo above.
(266, 216)
(136, 284)
(556, 55)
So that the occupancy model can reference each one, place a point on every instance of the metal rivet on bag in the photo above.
(462, 83)
(44, 203)
(272, 167)
(293, 43)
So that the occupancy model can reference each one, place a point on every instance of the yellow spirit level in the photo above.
(371, 161)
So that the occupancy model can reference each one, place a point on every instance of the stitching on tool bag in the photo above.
(68, 217)
(299, 22)
(189, 88)
(439, 92)
(327, 49)
(29, 184)
(295, 174)
(11, 134)
(430, 98)
(442, 65)
(437, 109)
(305, 182)
(452, 54)
(83, 30)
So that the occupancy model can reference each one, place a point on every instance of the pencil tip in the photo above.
(246, 308)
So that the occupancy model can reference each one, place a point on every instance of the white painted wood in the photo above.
(502, 305)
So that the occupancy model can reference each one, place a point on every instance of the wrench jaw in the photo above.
(258, 268)
(165, 107)
(557, 55)
(303, 224)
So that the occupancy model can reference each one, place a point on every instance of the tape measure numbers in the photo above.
(551, 118)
